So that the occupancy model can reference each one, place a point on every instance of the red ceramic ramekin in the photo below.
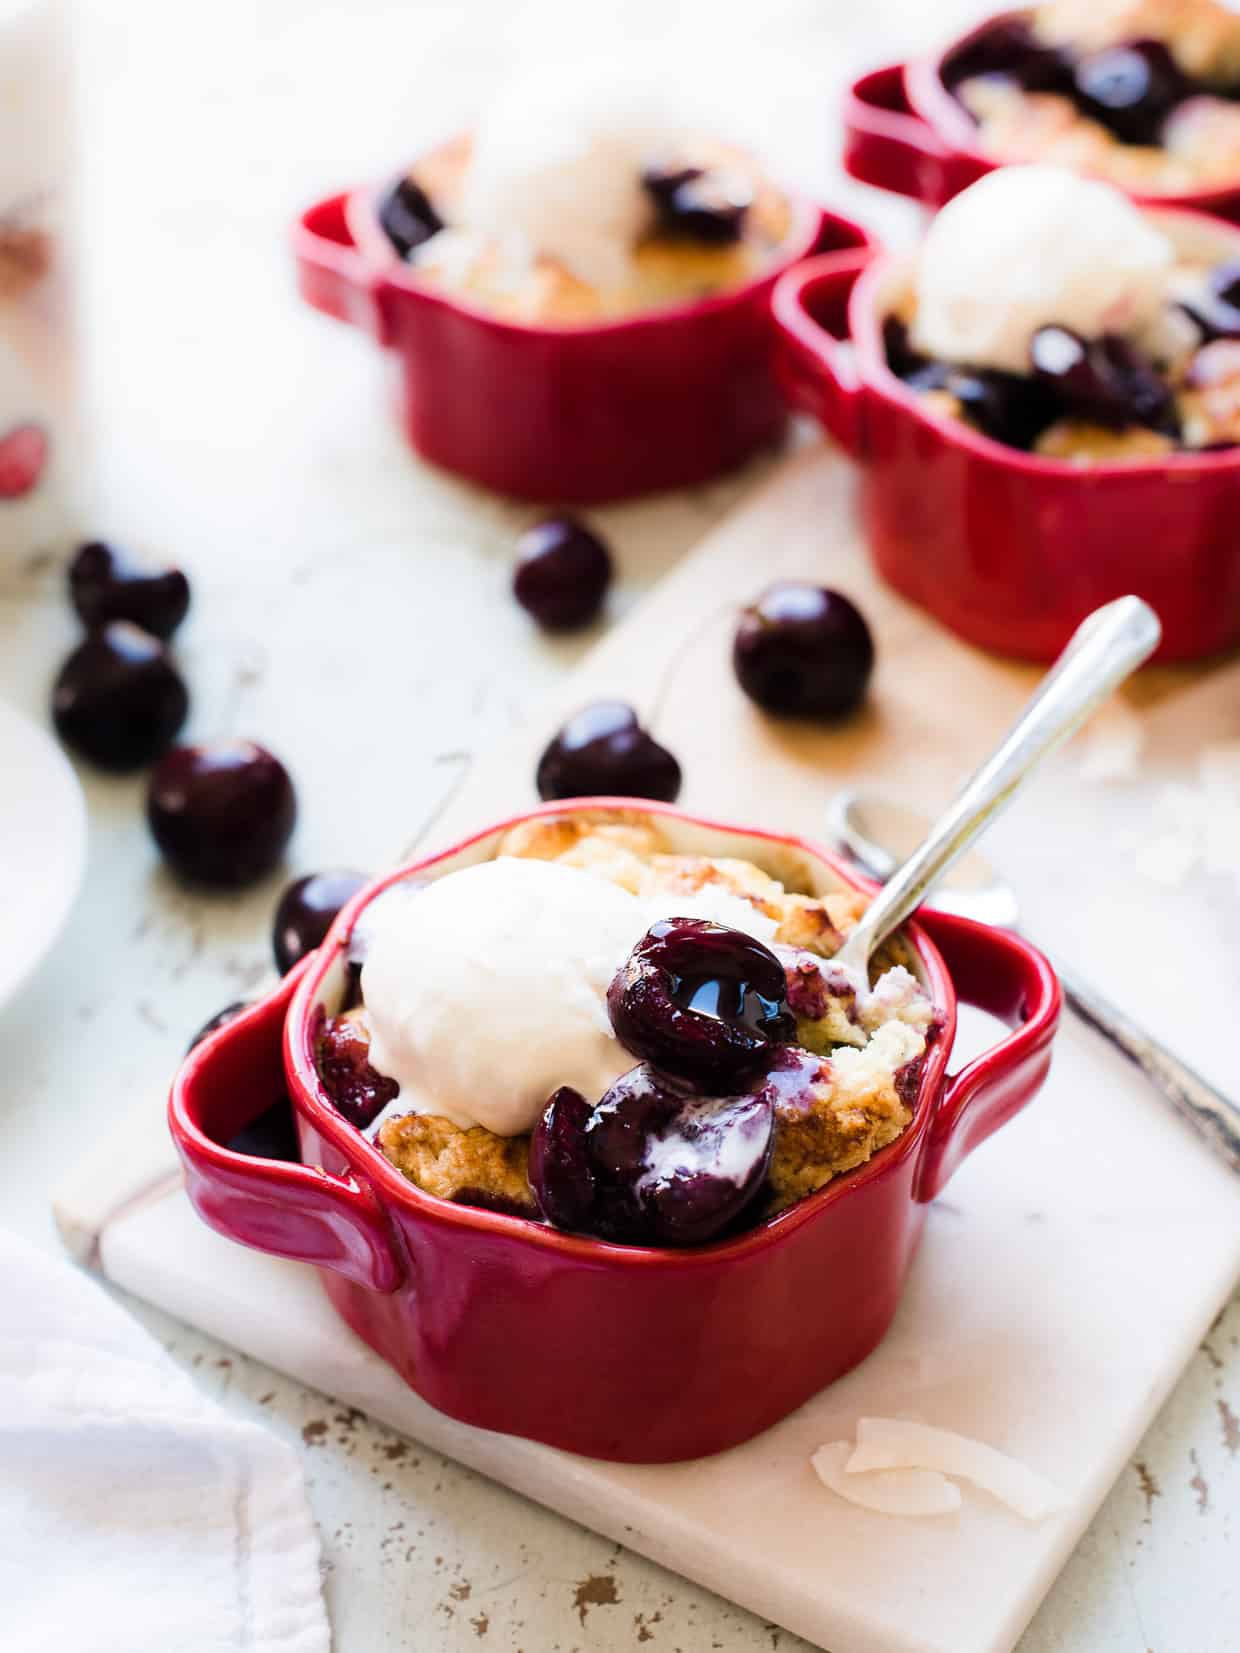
(1009, 549)
(904, 131)
(619, 1352)
(580, 414)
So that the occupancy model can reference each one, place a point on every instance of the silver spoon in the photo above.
(877, 833)
(1104, 650)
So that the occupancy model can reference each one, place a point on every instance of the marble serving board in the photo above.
(1073, 1263)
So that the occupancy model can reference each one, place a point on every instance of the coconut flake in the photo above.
(899, 1444)
(886, 1491)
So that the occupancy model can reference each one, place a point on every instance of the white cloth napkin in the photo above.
(136, 1516)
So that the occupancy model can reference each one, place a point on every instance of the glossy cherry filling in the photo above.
(653, 1163)
(702, 1001)
(1107, 381)
(408, 216)
(1129, 88)
(342, 1057)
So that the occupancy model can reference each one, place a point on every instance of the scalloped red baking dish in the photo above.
(1010, 549)
(905, 132)
(580, 414)
(619, 1352)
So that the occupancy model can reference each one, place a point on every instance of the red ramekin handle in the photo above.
(815, 370)
(293, 1210)
(332, 274)
(998, 972)
(886, 144)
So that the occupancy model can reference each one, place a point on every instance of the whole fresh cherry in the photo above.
(701, 1001)
(603, 751)
(105, 584)
(306, 911)
(221, 813)
(408, 216)
(271, 1135)
(118, 700)
(221, 1019)
(803, 651)
(561, 574)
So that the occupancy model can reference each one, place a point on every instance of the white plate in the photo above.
(42, 846)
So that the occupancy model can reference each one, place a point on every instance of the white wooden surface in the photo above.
(246, 437)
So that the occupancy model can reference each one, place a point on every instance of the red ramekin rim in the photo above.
(809, 220)
(310, 1099)
(947, 117)
(865, 333)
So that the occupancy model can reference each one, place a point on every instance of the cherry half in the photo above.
(603, 751)
(803, 651)
(342, 1057)
(408, 217)
(118, 699)
(306, 911)
(1131, 89)
(696, 204)
(1106, 380)
(105, 584)
(1216, 308)
(702, 1001)
(560, 1171)
(1010, 48)
(221, 813)
(561, 573)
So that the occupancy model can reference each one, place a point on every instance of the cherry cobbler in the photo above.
(564, 209)
(596, 1032)
(1145, 93)
(1049, 312)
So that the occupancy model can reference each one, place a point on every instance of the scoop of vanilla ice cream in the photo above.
(487, 989)
(1031, 246)
(557, 163)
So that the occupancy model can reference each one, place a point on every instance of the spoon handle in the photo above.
(1103, 651)
(1212, 1115)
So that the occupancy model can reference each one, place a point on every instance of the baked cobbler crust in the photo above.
(663, 271)
(853, 1070)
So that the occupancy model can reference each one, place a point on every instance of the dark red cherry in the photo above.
(118, 699)
(306, 911)
(603, 751)
(701, 1001)
(408, 217)
(803, 651)
(1107, 380)
(1131, 89)
(704, 206)
(1009, 407)
(342, 1056)
(1009, 48)
(105, 584)
(905, 361)
(561, 573)
(662, 178)
(221, 813)
(559, 1167)
(671, 1168)
(1216, 307)
(272, 1135)
(221, 1019)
